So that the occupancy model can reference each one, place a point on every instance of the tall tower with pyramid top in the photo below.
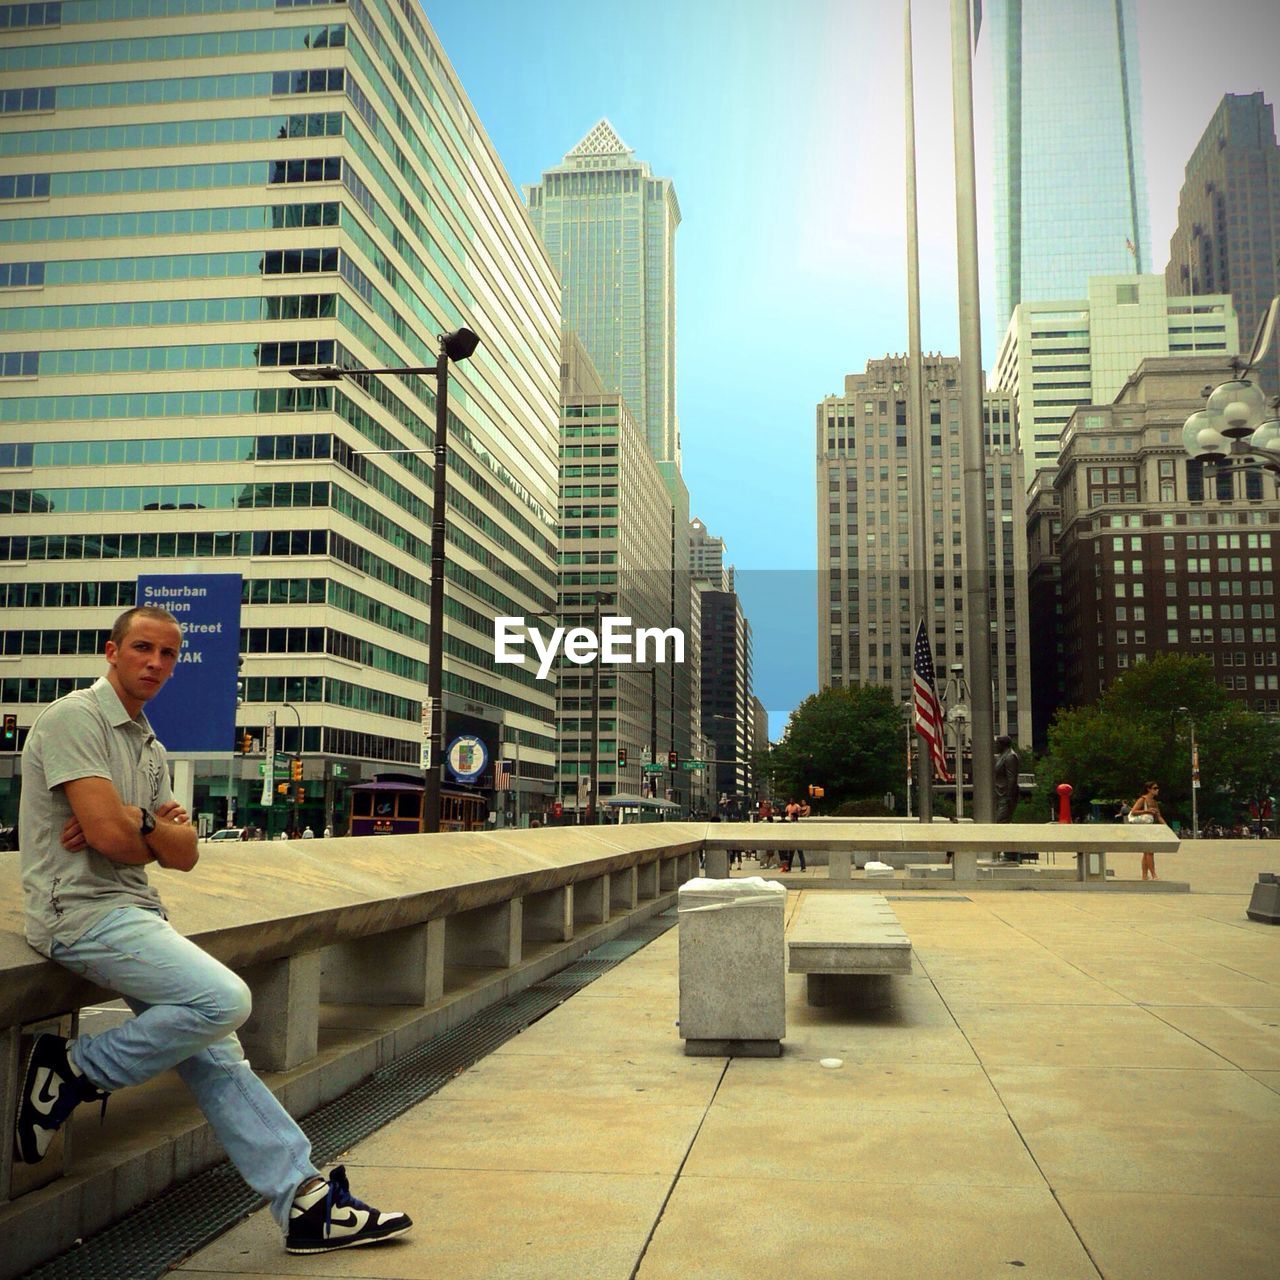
(609, 227)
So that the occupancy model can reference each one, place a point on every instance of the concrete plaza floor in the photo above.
(1070, 1085)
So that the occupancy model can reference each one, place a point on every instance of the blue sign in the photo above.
(466, 757)
(196, 710)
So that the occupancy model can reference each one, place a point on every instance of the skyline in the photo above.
(791, 254)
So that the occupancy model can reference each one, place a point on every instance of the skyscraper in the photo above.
(1071, 188)
(1228, 234)
(1058, 355)
(609, 227)
(866, 511)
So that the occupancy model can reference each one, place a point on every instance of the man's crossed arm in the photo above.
(114, 829)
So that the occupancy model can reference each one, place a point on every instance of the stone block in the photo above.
(283, 1029)
(548, 917)
(485, 937)
(404, 966)
(669, 875)
(838, 864)
(591, 901)
(732, 979)
(647, 882)
(1264, 905)
(964, 864)
(622, 891)
(717, 864)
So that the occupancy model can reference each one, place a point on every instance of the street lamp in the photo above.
(1195, 774)
(295, 783)
(456, 346)
(652, 673)
(1238, 422)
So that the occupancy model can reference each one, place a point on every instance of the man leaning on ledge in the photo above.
(96, 809)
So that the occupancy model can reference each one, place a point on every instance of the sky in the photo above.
(782, 129)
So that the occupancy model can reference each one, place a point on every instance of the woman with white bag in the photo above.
(1146, 810)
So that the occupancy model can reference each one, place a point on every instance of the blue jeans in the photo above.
(188, 1007)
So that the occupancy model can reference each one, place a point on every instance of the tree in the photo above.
(1138, 731)
(848, 741)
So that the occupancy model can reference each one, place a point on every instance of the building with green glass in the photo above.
(197, 196)
(1070, 179)
(610, 227)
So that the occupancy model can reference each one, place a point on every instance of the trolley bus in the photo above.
(394, 806)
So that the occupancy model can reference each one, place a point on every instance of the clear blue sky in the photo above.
(781, 126)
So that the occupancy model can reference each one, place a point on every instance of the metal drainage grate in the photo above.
(925, 896)
(154, 1238)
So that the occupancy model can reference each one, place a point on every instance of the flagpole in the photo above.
(917, 442)
(973, 450)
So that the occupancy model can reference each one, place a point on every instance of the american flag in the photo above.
(928, 711)
(502, 775)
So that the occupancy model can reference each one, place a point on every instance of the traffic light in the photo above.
(302, 794)
(295, 769)
(246, 743)
(10, 742)
(282, 788)
(622, 757)
(816, 792)
(673, 759)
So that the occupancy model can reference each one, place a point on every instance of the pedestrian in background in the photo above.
(1146, 810)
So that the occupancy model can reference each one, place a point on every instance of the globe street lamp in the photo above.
(456, 346)
(1239, 426)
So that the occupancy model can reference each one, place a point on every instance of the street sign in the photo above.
(269, 748)
(280, 769)
(337, 769)
(655, 768)
(694, 766)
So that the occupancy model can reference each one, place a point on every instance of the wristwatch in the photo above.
(148, 824)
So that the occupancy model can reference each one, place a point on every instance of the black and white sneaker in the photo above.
(330, 1217)
(51, 1090)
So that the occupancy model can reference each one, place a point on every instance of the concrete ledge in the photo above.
(155, 1136)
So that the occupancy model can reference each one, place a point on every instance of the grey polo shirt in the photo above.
(87, 734)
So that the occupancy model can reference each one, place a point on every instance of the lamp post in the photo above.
(593, 773)
(295, 782)
(652, 673)
(1239, 426)
(1195, 775)
(456, 346)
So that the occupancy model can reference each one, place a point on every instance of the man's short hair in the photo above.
(120, 627)
(1003, 742)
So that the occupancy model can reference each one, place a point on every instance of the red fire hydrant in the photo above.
(1064, 801)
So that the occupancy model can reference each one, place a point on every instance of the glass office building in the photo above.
(195, 197)
(610, 229)
(1071, 188)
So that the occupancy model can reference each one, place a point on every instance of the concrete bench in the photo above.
(995, 870)
(847, 946)
(1089, 843)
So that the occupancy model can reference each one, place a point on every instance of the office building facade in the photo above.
(1161, 552)
(706, 557)
(195, 199)
(609, 227)
(866, 512)
(616, 554)
(1228, 234)
(1070, 180)
(1057, 356)
(727, 713)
